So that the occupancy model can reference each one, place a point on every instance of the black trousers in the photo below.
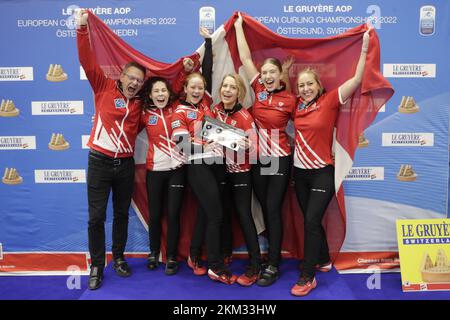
(207, 183)
(165, 185)
(106, 174)
(239, 189)
(270, 182)
(314, 189)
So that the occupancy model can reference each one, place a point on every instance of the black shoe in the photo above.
(121, 267)
(268, 276)
(152, 261)
(95, 278)
(171, 266)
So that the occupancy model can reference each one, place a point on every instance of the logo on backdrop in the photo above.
(57, 108)
(17, 142)
(409, 70)
(8, 109)
(11, 176)
(362, 141)
(60, 176)
(408, 139)
(408, 105)
(427, 18)
(56, 73)
(57, 142)
(16, 74)
(365, 173)
(406, 173)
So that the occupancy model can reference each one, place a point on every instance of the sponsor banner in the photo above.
(362, 262)
(17, 142)
(408, 139)
(424, 249)
(16, 74)
(51, 263)
(60, 176)
(24, 262)
(57, 107)
(409, 70)
(84, 141)
(365, 173)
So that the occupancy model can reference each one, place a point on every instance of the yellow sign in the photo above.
(424, 250)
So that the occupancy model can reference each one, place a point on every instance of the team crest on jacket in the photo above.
(192, 115)
(153, 120)
(262, 96)
(119, 103)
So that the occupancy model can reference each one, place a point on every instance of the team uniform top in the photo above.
(188, 120)
(161, 154)
(314, 127)
(272, 112)
(240, 118)
(116, 119)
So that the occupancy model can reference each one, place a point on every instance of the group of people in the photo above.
(221, 180)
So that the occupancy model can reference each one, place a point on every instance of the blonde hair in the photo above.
(242, 91)
(193, 75)
(315, 75)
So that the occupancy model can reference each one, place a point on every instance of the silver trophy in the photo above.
(222, 133)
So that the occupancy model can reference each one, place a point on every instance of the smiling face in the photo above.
(194, 89)
(159, 94)
(271, 76)
(229, 92)
(308, 86)
(131, 80)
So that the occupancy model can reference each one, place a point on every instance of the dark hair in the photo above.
(136, 65)
(273, 61)
(147, 89)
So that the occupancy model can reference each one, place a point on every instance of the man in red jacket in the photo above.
(111, 163)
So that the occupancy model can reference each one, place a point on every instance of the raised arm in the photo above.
(350, 85)
(244, 50)
(86, 56)
(207, 63)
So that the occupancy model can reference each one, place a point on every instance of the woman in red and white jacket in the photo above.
(205, 168)
(315, 118)
(165, 171)
(238, 165)
(272, 110)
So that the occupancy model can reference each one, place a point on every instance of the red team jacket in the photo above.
(241, 119)
(116, 118)
(314, 127)
(272, 112)
(161, 154)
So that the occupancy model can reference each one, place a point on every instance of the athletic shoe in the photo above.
(303, 286)
(171, 266)
(324, 267)
(249, 277)
(222, 275)
(196, 265)
(121, 267)
(152, 261)
(268, 276)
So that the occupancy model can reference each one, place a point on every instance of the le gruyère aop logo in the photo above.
(362, 141)
(406, 173)
(56, 73)
(438, 271)
(8, 109)
(57, 142)
(11, 176)
(408, 105)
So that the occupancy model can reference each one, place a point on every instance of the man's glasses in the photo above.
(133, 78)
